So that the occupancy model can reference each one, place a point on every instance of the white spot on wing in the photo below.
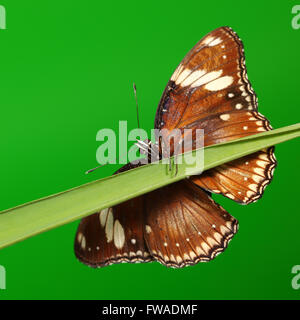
(230, 195)
(212, 242)
(252, 187)
(259, 171)
(192, 254)
(208, 40)
(191, 77)
(185, 73)
(148, 229)
(177, 72)
(257, 178)
(215, 42)
(261, 163)
(172, 258)
(218, 237)
(109, 226)
(228, 224)
(178, 259)
(103, 215)
(261, 129)
(79, 237)
(199, 251)
(250, 194)
(83, 243)
(219, 84)
(225, 116)
(205, 247)
(263, 156)
(119, 235)
(207, 78)
(223, 230)
(186, 256)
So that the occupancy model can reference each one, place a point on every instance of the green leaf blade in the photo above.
(24, 221)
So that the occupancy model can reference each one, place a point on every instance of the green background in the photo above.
(66, 72)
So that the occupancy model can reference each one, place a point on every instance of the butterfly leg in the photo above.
(176, 164)
(170, 164)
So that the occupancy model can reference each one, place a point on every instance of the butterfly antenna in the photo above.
(138, 123)
(91, 170)
(137, 105)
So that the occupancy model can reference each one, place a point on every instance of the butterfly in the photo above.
(180, 224)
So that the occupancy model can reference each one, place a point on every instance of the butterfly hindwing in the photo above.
(243, 180)
(184, 226)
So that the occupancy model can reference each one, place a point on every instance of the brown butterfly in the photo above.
(180, 224)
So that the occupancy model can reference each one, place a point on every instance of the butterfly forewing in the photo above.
(210, 90)
(114, 234)
(211, 79)
(185, 226)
